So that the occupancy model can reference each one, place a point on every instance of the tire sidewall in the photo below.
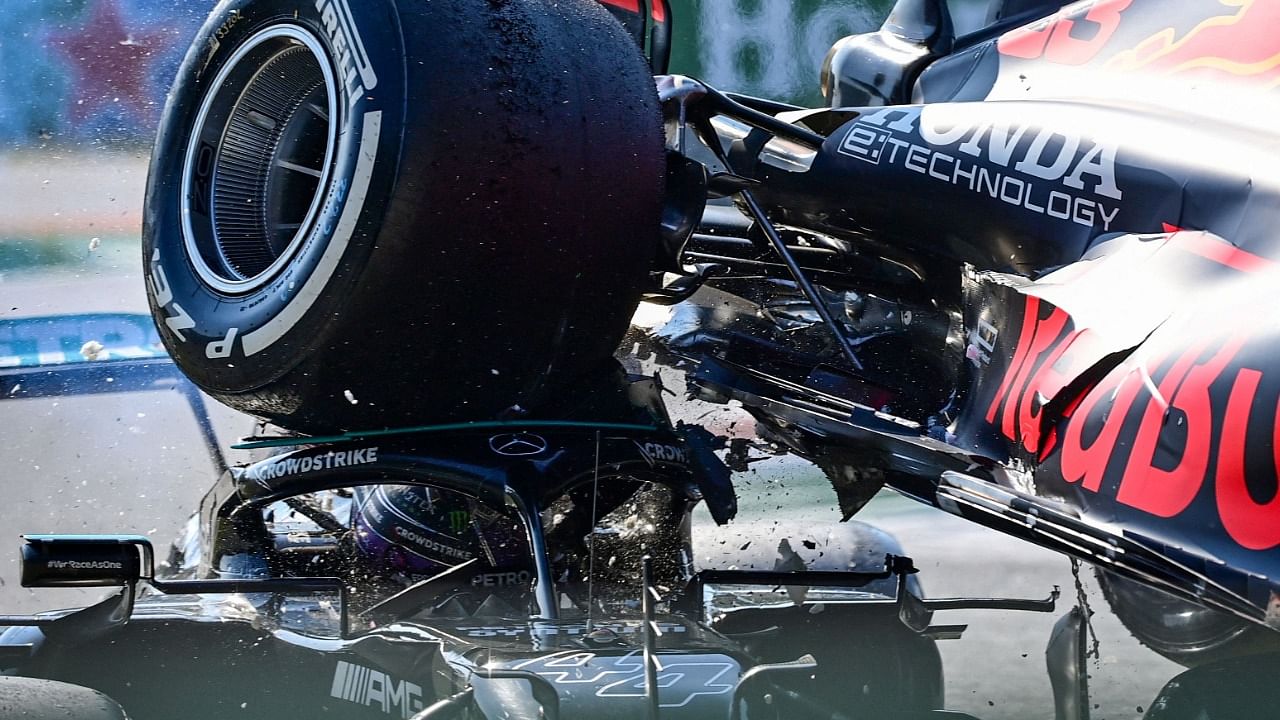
(235, 342)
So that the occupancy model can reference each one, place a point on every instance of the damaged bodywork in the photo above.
(1032, 282)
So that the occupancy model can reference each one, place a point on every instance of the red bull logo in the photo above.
(1242, 43)
(1235, 39)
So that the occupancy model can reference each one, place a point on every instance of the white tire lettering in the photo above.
(222, 348)
(159, 283)
(179, 321)
(176, 319)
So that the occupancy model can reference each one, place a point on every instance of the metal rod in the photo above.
(1024, 605)
(806, 287)
(780, 246)
(208, 435)
(27, 620)
(757, 213)
(734, 109)
(650, 638)
(591, 548)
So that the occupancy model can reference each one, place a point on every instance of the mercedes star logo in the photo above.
(517, 444)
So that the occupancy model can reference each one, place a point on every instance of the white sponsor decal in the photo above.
(680, 678)
(84, 565)
(271, 469)
(424, 542)
(982, 341)
(502, 579)
(354, 70)
(659, 452)
(1055, 172)
(365, 687)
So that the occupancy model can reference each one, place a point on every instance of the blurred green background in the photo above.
(770, 48)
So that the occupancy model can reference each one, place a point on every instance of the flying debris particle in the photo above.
(350, 397)
(744, 547)
(809, 544)
(817, 609)
(13, 390)
(494, 371)
(92, 350)
(94, 243)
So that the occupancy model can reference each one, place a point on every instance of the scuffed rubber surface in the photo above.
(31, 699)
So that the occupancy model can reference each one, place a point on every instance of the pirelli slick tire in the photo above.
(369, 214)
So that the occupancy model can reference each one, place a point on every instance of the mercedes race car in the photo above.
(1017, 268)
(527, 569)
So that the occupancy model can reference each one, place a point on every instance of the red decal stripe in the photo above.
(628, 5)
(659, 11)
(1029, 319)
(1222, 252)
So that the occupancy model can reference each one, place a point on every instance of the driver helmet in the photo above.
(415, 530)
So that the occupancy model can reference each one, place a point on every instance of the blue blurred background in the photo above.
(96, 71)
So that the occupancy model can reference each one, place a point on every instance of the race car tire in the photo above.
(33, 699)
(1186, 633)
(362, 215)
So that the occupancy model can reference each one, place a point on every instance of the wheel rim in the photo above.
(258, 164)
(1169, 624)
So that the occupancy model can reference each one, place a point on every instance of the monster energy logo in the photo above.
(459, 520)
